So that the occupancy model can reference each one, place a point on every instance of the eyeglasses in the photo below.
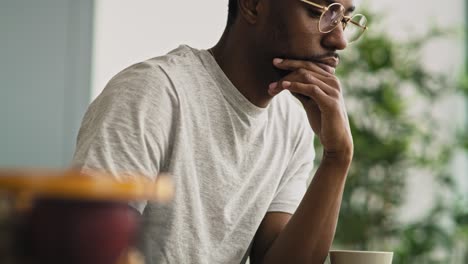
(333, 15)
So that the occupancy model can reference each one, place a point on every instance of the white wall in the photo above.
(129, 31)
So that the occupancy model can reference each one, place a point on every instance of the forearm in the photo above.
(309, 234)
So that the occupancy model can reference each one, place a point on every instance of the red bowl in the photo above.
(57, 217)
(77, 232)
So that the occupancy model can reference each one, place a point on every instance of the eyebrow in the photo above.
(349, 10)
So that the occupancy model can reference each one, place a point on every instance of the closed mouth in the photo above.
(329, 64)
(330, 61)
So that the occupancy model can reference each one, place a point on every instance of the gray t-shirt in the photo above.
(231, 161)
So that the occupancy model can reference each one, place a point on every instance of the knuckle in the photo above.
(309, 65)
(306, 76)
(333, 81)
(309, 78)
(314, 88)
(334, 93)
(303, 71)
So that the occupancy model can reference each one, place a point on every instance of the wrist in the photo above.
(342, 157)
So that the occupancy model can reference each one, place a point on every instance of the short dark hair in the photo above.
(232, 12)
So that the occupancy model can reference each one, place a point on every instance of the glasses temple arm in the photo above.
(348, 20)
(313, 4)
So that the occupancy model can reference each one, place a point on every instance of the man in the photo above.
(238, 149)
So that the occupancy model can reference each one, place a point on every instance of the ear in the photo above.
(248, 9)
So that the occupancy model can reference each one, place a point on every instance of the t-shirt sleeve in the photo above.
(293, 185)
(125, 131)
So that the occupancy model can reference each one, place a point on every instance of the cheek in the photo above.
(276, 30)
(281, 33)
(306, 33)
(296, 34)
(275, 34)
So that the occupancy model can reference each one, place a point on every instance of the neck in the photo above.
(245, 67)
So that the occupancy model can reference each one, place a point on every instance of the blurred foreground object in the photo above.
(66, 217)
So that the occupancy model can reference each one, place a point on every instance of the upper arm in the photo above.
(271, 226)
(126, 130)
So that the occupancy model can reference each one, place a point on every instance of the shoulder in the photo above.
(153, 74)
(150, 82)
(143, 91)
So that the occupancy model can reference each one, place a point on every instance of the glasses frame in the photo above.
(344, 19)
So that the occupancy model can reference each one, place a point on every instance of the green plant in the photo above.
(391, 97)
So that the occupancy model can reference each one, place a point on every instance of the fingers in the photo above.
(304, 77)
(274, 88)
(292, 65)
(308, 77)
(315, 92)
(309, 71)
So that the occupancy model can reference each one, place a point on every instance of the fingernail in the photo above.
(286, 84)
(273, 85)
(277, 61)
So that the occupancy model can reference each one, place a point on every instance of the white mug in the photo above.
(360, 257)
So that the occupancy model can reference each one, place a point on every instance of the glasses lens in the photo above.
(331, 18)
(355, 27)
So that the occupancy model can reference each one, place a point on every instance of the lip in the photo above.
(329, 64)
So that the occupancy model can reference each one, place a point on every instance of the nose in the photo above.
(335, 40)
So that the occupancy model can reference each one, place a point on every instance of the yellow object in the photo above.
(73, 184)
